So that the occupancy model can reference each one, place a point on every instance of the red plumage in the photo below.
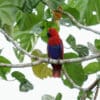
(55, 50)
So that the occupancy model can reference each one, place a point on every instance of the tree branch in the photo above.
(53, 61)
(16, 45)
(96, 93)
(62, 61)
(77, 23)
(73, 19)
(71, 81)
(93, 84)
(23, 65)
(48, 60)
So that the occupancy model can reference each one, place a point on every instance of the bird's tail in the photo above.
(56, 70)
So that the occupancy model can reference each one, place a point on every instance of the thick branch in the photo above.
(53, 61)
(24, 65)
(80, 59)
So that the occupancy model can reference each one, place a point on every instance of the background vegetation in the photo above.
(23, 22)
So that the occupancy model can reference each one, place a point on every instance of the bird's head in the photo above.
(52, 32)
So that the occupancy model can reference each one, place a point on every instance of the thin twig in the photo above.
(77, 23)
(93, 84)
(96, 93)
(71, 81)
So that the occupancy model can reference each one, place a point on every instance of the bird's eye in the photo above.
(48, 34)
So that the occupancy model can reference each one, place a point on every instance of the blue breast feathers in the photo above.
(55, 52)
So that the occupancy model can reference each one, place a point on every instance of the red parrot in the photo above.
(55, 50)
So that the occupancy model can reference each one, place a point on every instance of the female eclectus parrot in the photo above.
(55, 50)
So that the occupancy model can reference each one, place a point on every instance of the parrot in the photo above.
(55, 50)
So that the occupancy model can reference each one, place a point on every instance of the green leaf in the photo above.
(19, 76)
(29, 5)
(37, 52)
(4, 70)
(74, 70)
(47, 97)
(53, 4)
(27, 41)
(25, 85)
(42, 71)
(71, 40)
(92, 67)
(97, 43)
(44, 36)
(8, 10)
(67, 82)
(81, 50)
(26, 21)
(47, 14)
(19, 54)
(7, 28)
(73, 11)
(89, 10)
(59, 96)
(82, 94)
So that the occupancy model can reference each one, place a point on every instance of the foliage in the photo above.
(82, 93)
(92, 67)
(3, 69)
(28, 20)
(25, 85)
(88, 9)
(41, 70)
(74, 70)
(80, 49)
(59, 96)
(49, 97)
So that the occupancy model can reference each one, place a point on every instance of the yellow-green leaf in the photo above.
(38, 53)
(42, 71)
